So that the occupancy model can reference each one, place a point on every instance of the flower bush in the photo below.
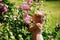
(14, 20)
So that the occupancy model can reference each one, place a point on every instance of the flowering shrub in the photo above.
(13, 20)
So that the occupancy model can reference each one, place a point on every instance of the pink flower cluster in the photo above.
(24, 7)
(0, 1)
(27, 18)
(3, 9)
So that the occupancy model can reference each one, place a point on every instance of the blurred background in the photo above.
(12, 26)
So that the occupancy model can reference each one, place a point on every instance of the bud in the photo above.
(29, 1)
(0, 24)
(50, 36)
(15, 17)
(37, 4)
(58, 25)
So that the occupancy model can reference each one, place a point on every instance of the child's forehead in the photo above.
(40, 13)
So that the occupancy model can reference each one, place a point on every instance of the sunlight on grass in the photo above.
(53, 11)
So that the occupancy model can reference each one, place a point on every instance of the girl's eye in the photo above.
(42, 16)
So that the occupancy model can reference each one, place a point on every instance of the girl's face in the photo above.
(42, 17)
(38, 18)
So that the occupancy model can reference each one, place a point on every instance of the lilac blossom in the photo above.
(3, 9)
(27, 18)
(29, 1)
(24, 7)
(0, 1)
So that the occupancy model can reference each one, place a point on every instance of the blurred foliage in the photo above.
(14, 28)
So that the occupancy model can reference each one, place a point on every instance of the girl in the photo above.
(36, 29)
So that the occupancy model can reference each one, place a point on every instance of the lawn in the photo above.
(53, 16)
(53, 11)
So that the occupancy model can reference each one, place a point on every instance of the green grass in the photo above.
(53, 15)
(53, 8)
